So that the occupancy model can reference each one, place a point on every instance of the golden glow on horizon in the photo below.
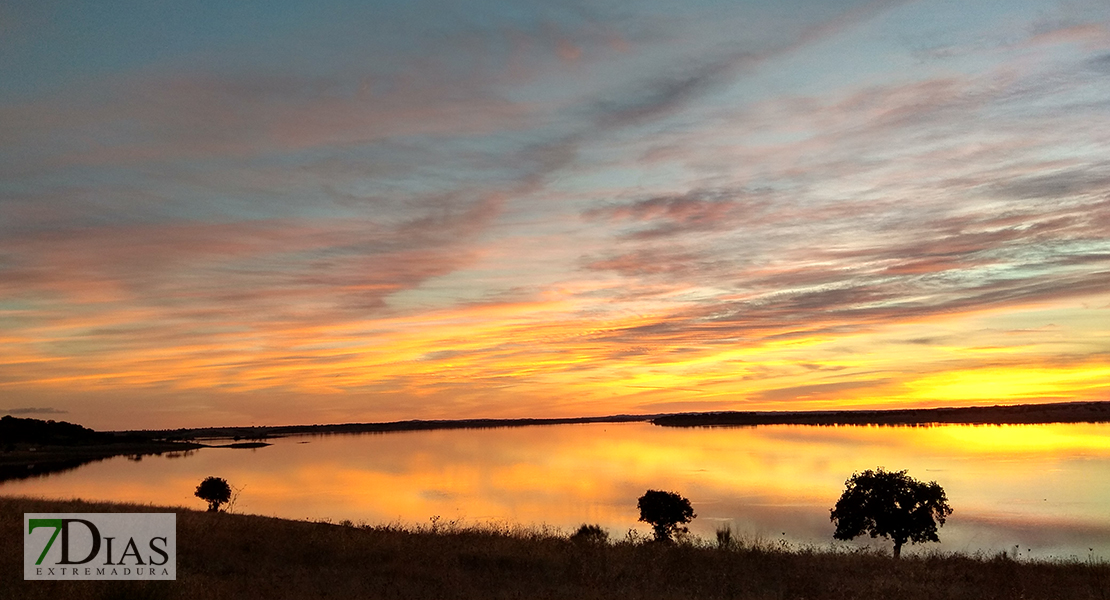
(1011, 383)
(553, 358)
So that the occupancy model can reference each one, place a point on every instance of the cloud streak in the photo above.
(45, 410)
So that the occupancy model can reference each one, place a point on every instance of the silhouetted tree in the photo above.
(665, 512)
(890, 504)
(590, 534)
(215, 491)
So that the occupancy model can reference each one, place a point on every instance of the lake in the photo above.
(1042, 489)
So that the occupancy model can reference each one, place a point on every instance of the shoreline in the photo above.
(35, 461)
(261, 432)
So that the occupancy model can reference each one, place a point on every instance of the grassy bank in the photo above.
(242, 556)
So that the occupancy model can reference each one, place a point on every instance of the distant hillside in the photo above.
(1068, 412)
(14, 430)
(31, 448)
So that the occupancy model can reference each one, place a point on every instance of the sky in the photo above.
(236, 213)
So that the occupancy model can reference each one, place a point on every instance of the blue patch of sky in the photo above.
(49, 45)
(75, 41)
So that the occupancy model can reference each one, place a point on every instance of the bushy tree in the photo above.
(666, 512)
(590, 535)
(215, 491)
(892, 505)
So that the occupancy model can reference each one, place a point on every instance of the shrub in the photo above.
(590, 534)
(215, 491)
(666, 512)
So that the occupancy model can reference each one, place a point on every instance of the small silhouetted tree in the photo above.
(590, 535)
(890, 504)
(215, 491)
(666, 512)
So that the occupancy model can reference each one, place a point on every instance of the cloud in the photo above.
(652, 262)
(215, 261)
(206, 115)
(695, 211)
(216, 304)
(45, 410)
(1089, 34)
(881, 205)
(663, 96)
(704, 69)
(850, 276)
(822, 389)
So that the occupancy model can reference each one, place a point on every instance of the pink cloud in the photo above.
(1090, 35)
(338, 262)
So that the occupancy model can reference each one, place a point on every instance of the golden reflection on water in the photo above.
(1045, 487)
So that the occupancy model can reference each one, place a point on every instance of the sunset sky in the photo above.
(235, 213)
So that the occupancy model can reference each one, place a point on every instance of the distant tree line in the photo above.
(1062, 412)
(14, 430)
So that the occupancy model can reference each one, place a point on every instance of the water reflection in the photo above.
(1045, 488)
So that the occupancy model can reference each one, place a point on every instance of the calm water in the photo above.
(1042, 488)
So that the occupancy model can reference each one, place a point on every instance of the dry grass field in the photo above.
(232, 556)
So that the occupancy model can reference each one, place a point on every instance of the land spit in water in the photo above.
(31, 448)
(1020, 414)
(241, 557)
